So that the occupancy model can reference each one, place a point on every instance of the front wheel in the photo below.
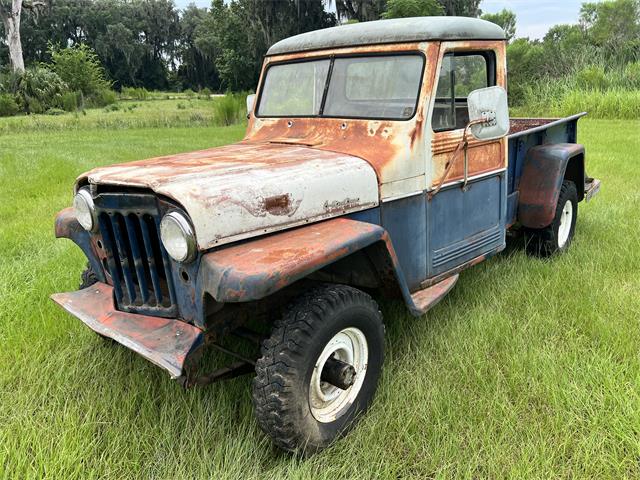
(556, 238)
(319, 368)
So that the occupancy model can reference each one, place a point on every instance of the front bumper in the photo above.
(163, 341)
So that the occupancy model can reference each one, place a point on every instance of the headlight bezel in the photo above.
(84, 195)
(181, 221)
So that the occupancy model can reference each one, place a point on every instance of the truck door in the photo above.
(466, 217)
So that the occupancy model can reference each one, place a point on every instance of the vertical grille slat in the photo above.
(151, 260)
(139, 267)
(124, 257)
(137, 258)
(104, 223)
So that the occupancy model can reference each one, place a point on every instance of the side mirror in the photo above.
(488, 113)
(251, 99)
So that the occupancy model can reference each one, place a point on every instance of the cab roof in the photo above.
(396, 30)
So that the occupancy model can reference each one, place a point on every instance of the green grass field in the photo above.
(528, 369)
(160, 113)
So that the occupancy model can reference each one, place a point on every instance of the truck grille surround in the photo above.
(135, 259)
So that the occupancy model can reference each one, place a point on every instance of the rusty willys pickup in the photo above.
(379, 160)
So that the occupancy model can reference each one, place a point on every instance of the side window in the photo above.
(461, 73)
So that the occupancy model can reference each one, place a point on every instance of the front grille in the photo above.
(137, 263)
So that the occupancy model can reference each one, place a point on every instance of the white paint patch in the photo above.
(245, 190)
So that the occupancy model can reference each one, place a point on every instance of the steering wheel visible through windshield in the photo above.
(372, 87)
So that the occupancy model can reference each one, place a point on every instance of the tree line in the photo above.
(152, 44)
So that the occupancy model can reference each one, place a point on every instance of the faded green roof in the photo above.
(397, 30)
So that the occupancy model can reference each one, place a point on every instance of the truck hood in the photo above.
(248, 189)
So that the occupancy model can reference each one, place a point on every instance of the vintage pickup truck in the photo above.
(379, 160)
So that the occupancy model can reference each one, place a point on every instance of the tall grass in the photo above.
(604, 92)
(229, 109)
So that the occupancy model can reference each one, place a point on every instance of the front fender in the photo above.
(545, 168)
(67, 226)
(255, 269)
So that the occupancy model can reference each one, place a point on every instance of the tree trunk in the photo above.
(11, 20)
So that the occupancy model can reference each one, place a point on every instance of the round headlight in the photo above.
(84, 209)
(177, 237)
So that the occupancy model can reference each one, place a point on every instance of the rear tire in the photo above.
(297, 409)
(557, 237)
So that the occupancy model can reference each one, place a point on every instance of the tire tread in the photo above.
(272, 399)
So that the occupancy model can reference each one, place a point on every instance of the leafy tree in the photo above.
(412, 8)
(505, 19)
(196, 71)
(613, 25)
(525, 62)
(464, 8)
(79, 68)
(237, 34)
(159, 30)
(360, 10)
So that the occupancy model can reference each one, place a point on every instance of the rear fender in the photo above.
(253, 270)
(545, 168)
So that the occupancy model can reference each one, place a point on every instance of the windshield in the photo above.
(376, 86)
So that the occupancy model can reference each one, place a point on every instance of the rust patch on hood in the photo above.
(279, 205)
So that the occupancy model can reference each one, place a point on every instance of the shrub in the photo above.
(55, 111)
(592, 78)
(9, 81)
(8, 105)
(189, 93)
(135, 93)
(632, 75)
(206, 93)
(230, 109)
(72, 101)
(34, 106)
(40, 89)
(103, 97)
(80, 68)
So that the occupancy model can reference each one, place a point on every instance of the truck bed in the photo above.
(519, 125)
(530, 132)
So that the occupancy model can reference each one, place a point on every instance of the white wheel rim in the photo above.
(566, 219)
(328, 402)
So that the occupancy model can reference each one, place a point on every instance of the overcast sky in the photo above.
(534, 17)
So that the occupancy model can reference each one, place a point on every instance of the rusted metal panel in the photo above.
(397, 150)
(483, 156)
(542, 176)
(248, 189)
(256, 269)
(67, 226)
(428, 297)
(253, 270)
(164, 342)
